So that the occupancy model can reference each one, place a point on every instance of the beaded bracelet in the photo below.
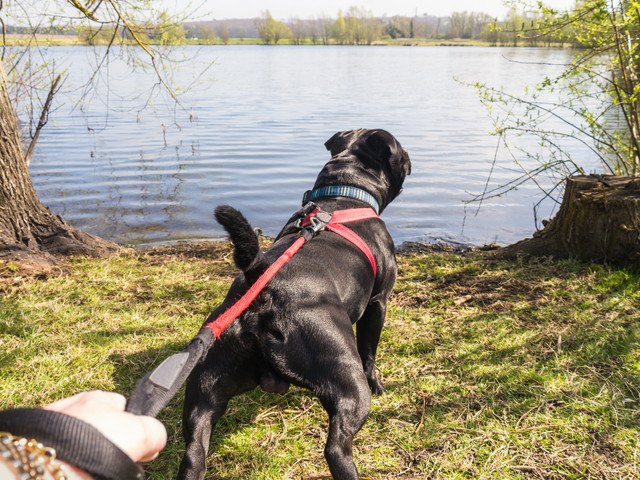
(31, 459)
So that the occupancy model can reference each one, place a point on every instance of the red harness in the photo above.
(335, 224)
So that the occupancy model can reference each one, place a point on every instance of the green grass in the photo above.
(493, 370)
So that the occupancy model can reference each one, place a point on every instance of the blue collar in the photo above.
(342, 191)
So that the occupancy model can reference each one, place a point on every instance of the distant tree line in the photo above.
(354, 26)
(358, 26)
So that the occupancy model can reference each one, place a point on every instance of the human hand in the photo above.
(138, 436)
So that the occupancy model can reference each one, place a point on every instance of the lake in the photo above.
(251, 129)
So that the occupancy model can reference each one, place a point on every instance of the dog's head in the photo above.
(369, 159)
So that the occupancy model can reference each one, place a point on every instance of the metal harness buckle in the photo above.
(319, 221)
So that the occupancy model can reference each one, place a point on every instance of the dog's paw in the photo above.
(375, 385)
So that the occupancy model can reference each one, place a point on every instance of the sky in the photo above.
(287, 9)
(284, 9)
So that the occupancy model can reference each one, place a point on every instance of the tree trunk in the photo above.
(598, 221)
(27, 227)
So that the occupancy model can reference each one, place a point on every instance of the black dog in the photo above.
(299, 329)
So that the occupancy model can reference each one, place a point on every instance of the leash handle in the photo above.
(156, 389)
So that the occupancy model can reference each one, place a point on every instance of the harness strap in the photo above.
(222, 322)
(354, 238)
(346, 216)
(352, 215)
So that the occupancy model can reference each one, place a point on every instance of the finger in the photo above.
(60, 405)
(110, 399)
(69, 402)
(154, 440)
(113, 399)
(151, 458)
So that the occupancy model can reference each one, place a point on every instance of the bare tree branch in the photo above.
(44, 116)
(89, 14)
(4, 34)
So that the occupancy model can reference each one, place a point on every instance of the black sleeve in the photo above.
(74, 441)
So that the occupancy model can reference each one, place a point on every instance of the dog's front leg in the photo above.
(368, 330)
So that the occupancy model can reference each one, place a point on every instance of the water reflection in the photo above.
(252, 136)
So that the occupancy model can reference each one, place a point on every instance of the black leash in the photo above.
(155, 390)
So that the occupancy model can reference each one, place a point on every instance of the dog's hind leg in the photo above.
(206, 399)
(197, 424)
(368, 330)
(348, 407)
(334, 373)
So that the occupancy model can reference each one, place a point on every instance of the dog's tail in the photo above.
(246, 248)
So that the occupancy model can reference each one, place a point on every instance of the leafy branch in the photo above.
(594, 101)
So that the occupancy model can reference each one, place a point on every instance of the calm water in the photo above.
(251, 134)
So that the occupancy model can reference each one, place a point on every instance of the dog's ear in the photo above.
(331, 144)
(405, 162)
(375, 146)
(380, 146)
(342, 141)
(380, 150)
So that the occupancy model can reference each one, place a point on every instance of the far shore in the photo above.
(13, 40)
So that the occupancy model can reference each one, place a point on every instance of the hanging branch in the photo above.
(625, 94)
(84, 10)
(44, 117)
(4, 32)
(132, 31)
(132, 28)
(595, 85)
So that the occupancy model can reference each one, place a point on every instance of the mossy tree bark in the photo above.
(599, 221)
(27, 226)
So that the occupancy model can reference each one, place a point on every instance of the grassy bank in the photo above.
(501, 370)
(16, 40)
